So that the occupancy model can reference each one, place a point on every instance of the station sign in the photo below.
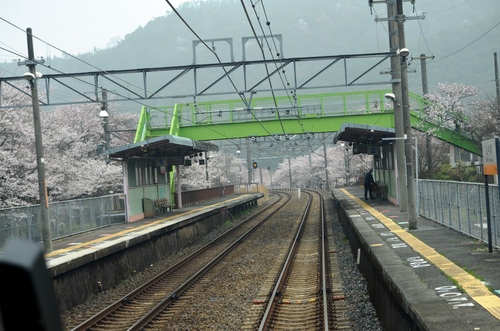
(490, 165)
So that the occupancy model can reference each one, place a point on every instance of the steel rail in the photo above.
(324, 264)
(287, 265)
(325, 286)
(141, 289)
(146, 318)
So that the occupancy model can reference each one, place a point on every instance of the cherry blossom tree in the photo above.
(439, 150)
(485, 119)
(450, 106)
(455, 107)
(309, 170)
(221, 168)
(71, 135)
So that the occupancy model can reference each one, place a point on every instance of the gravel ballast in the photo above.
(361, 312)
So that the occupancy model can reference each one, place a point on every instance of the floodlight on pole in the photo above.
(403, 52)
(105, 118)
(390, 96)
(103, 114)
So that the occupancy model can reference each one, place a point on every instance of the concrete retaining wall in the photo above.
(80, 279)
(391, 305)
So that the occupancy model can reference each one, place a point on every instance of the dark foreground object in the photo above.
(27, 301)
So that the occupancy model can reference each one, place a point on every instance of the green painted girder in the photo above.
(267, 116)
(283, 127)
(316, 113)
(452, 137)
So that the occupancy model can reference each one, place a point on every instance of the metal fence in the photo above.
(66, 218)
(458, 205)
(461, 206)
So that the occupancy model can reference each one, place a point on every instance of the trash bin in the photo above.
(148, 207)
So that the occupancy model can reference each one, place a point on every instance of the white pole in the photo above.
(416, 176)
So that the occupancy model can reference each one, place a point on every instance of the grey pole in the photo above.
(412, 213)
(497, 82)
(42, 184)
(105, 120)
(249, 162)
(425, 91)
(398, 109)
(326, 164)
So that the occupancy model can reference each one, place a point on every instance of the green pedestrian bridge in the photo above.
(289, 115)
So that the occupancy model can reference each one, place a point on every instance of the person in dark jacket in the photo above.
(368, 184)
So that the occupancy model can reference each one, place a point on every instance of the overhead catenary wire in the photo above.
(117, 94)
(100, 70)
(267, 69)
(466, 46)
(285, 82)
(218, 59)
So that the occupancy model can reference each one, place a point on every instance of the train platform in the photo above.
(443, 279)
(103, 241)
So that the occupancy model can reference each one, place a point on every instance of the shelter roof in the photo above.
(362, 133)
(166, 145)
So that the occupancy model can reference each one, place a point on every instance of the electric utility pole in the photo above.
(327, 178)
(105, 119)
(497, 82)
(410, 183)
(249, 162)
(425, 91)
(400, 97)
(398, 110)
(32, 77)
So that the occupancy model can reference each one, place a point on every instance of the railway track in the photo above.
(298, 288)
(307, 293)
(135, 310)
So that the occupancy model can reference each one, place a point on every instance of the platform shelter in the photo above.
(151, 168)
(378, 142)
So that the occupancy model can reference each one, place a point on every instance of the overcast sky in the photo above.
(73, 26)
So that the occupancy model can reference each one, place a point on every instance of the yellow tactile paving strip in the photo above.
(471, 285)
(121, 233)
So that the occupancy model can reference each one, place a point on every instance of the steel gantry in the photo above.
(201, 80)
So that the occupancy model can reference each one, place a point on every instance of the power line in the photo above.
(422, 33)
(218, 59)
(461, 49)
(203, 42)
(286, 86)
(458, 5)
(267, 68)
(72, 56)
(279, 56)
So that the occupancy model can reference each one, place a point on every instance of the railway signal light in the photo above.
(255, 165)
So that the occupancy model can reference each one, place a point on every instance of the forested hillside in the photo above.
(461, 35)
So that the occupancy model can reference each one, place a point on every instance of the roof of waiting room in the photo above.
(161, 146)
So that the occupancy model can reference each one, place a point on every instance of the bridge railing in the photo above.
(282, 107)
(262, 109)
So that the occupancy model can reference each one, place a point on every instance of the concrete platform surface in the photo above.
(447, 280)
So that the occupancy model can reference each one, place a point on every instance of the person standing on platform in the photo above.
(368, 184)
